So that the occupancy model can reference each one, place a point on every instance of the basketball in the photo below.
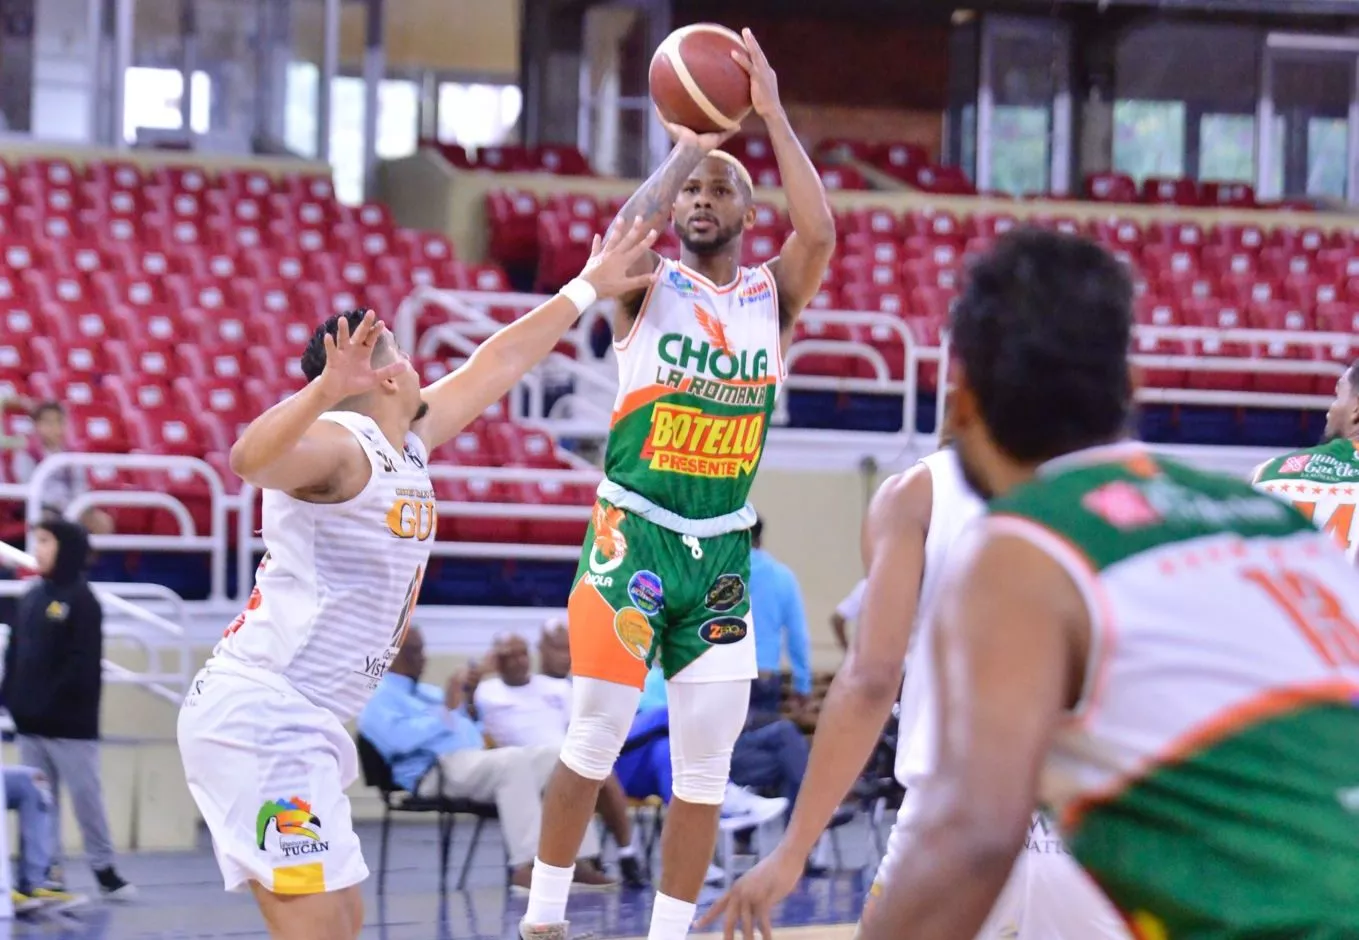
(695, 82)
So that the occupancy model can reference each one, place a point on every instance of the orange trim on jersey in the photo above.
(1222, 725)
(778, 326)
(710, 285)
(597, 651)
(622, 344)
(1082, 571)
(641, 397)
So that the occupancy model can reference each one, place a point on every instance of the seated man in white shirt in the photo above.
(846, 612)
(517, 707)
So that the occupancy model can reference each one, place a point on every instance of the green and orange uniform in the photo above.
(665, 568)
(1209, 778)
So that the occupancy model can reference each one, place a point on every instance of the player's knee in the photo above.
(601, 714)
(701, 778)
(705, 721)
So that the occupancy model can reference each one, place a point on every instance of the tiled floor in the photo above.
(181, 898)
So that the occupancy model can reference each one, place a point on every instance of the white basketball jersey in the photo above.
(954, 505)
(338, 582)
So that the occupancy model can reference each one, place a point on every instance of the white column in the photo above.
(330, 65)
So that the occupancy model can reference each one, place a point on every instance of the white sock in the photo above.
(629, 850)
(548, 892)
(671, 918)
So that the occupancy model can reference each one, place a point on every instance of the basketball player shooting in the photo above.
(665, 565)
(349, 515)
(1166, 657)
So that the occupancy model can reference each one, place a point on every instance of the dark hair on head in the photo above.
(1042, 329)
(757, 530)
(48, 407)
(314, 356)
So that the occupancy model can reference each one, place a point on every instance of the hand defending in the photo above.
(612, 260)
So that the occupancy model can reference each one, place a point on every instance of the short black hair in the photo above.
(314, 356)
(48, 407)
(757, 530)
(1043, 329)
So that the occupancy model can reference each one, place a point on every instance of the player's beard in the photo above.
(713, 243)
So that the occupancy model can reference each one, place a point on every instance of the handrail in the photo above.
(214, 544)
(102, 589)
(109, 596)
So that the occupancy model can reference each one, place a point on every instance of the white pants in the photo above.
(513, 778)
(268, 770)
(1048, 896)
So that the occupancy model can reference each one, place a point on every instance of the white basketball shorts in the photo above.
(1048, 896)
(268, 770)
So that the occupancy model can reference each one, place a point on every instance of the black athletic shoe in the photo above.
(113, 886)
(631, 871)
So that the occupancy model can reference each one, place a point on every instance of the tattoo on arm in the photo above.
(653, 201)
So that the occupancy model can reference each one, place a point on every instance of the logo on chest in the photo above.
(754, 292)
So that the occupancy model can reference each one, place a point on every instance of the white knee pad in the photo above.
(705, 720)
(601, 715)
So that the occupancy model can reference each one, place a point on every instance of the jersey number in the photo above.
(1314, 609)
(1338, 525)
(408, 607)
(253, 602)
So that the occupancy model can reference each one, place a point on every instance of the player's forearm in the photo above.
(943, 886)
(515, 349)
(808, 208)
(275, 433)
(848, 728)
(654, 199)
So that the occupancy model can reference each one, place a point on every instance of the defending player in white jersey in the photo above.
(913, 521)
(349, 516)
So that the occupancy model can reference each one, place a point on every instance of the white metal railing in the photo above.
(189, 540)
(116, 598)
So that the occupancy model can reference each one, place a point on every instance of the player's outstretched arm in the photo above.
(287, 448)
(500, 362)
(859, 700)
(802, 262)
(1011, 629)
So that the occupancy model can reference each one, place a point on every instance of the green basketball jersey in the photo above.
(1209, 779)
(1323, 483)
(698, 377)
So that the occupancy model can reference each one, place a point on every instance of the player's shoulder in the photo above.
(1113, 509)
(904, 499)
(1335, 461)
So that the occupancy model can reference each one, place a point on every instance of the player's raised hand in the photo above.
(748, 904)
(612, 258)
(349, 367)
(764, 84)
(684, 135)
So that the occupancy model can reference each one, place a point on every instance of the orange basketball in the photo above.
(694, 81)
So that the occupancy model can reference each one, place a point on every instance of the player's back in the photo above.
(1323, 483)
(699, 373)
(338, 583)
(1209, 779)
(953, 506)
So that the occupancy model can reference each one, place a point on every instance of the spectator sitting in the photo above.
(414, 727)
(52, 687)
(64, 485)
(521, 709)
(27, 792)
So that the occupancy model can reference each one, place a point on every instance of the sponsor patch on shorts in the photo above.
(646, 592)
(725, 593)
(720, 631)
(288, 828)
(634, 631)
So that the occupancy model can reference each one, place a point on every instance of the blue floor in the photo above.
(181, 897)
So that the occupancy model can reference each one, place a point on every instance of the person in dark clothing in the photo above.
(52, 686)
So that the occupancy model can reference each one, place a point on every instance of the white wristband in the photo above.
(580, 292)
